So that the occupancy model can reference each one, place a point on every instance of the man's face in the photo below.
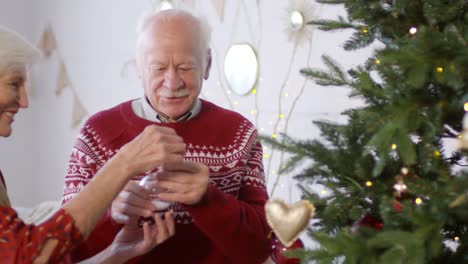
(172, 65)
(12, 97)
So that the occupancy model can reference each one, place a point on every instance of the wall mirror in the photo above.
(241, 68)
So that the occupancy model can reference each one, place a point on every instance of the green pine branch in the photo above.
(359, 40)
(329, 25)
(335, 76)
(414, 90)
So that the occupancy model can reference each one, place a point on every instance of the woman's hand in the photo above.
(150, 149)
(134, 241)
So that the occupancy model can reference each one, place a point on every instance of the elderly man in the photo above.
(217, 192)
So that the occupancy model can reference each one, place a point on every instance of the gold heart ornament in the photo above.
(288, 221)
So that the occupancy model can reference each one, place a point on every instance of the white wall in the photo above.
(96, 38)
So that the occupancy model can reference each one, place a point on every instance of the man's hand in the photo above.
(186, 182)
(134, 241)
(151, 148)
(131, 203)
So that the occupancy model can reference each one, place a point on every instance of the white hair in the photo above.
(170, 15)
(16, 53)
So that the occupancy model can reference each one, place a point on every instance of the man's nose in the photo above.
(172, 79)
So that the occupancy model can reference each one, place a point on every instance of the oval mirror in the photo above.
(241, 68)
(296, 20)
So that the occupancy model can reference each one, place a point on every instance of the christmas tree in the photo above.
(396, 192)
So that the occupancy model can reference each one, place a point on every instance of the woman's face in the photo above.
(12, 97)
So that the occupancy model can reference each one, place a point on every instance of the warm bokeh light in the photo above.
(404, 170)
(418, 201)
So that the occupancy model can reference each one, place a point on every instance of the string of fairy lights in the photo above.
(399, 186)
(439, 69)
(297, 13)
(288, 117)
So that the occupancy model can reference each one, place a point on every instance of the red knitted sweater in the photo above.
(227, 226)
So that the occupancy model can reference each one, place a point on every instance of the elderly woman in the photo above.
(51, 241)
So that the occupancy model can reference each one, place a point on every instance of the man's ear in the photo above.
(208, 65)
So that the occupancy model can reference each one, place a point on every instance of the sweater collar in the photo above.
(143, 108)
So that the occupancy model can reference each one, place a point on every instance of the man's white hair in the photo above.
(16, 53)
(172, 14)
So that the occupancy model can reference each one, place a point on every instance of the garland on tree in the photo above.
(395, 192)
